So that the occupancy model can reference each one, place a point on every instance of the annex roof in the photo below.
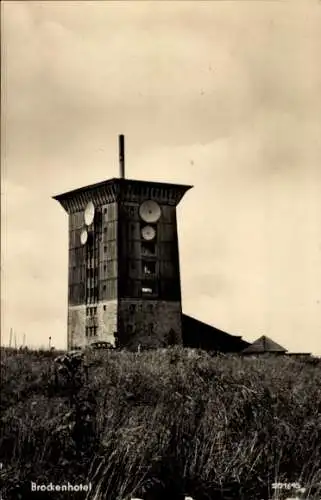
(262, 345)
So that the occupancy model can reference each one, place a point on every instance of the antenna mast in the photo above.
(122, 156)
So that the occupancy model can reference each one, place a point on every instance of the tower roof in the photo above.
(263, 345)
(121, 188)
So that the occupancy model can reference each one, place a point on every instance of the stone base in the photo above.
(145, 323)
(149, 323)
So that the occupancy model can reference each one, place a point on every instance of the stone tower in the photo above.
(124, 278)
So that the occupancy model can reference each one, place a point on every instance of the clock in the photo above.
(148, 233)
(89, 213)
(150, 211)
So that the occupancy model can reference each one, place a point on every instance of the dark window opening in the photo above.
(148, 267)
(105, 307)
(148, 288)
(148, 248)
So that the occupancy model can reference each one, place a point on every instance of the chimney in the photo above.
(122, 156)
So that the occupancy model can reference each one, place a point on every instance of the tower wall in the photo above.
(122, 287)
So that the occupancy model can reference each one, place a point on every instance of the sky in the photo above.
(223, 95)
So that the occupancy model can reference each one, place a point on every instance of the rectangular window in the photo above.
(148, 248)
(149, 268)
(148, 288)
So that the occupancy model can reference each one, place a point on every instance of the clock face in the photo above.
(89, 213)
(148, 233)
(150, 211)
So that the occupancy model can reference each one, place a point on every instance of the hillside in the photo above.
(162, 422)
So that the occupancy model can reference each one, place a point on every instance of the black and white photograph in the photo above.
(160, 250)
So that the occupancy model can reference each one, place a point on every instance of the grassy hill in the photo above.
(164, 422)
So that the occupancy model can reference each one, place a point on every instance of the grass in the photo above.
(161, 423)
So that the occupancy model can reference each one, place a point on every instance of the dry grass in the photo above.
(166, 421)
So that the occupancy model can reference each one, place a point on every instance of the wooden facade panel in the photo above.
(168, 250)
(111, 231)
(77, 293)
(76, 220)
(166, 232)
(168, 270)
(77, 274)
(108, 269)
(134, 269)
(133, 230)
(108, 289)
(109, 212)
(168, 214)
(108, 250)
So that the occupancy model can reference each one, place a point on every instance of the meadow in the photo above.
(158, 424)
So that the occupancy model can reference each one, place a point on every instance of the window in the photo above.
(132, 308)
(148, 287)
(105, 249)
(148, 267)
(148, 248)
(105, 307)
(105, 229)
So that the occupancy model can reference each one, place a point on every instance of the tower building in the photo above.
(124, 278)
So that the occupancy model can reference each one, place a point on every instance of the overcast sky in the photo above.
(223, 95)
